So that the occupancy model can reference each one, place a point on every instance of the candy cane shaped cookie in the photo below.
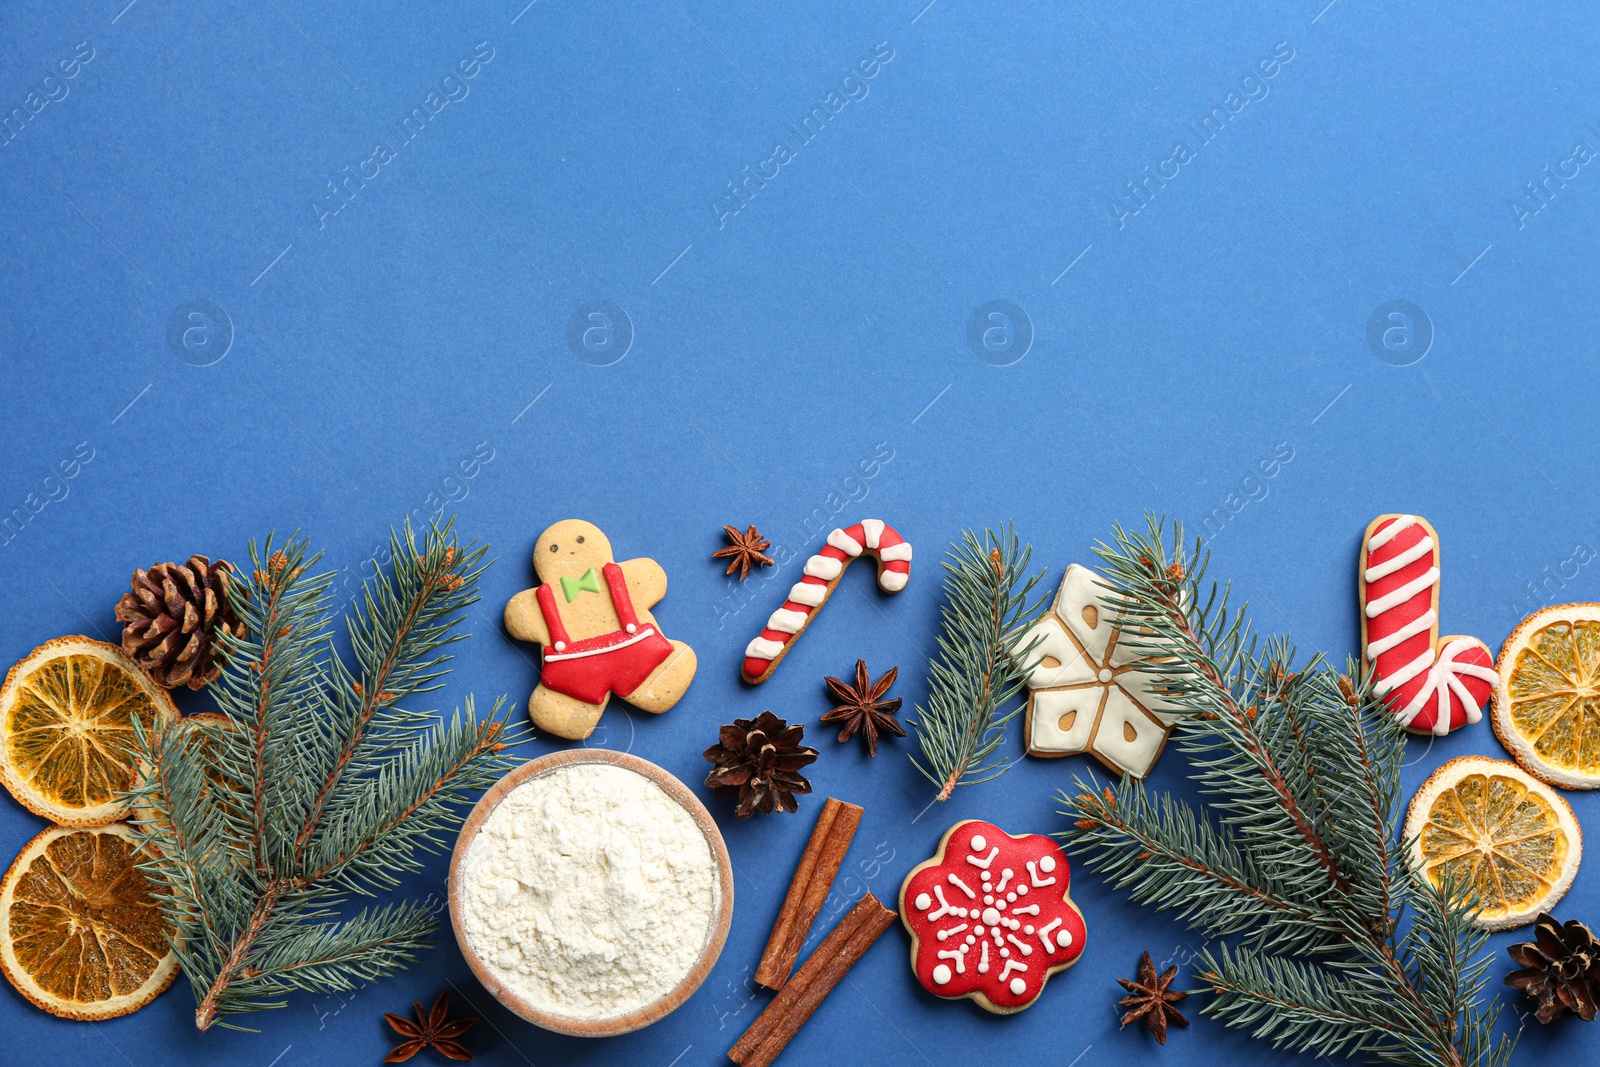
(822, 572)
(1432, 685)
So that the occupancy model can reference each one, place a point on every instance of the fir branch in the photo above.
(1339, 950)
(168, 806)
(1207, 663)
(275, 671)
(320, 785)
(1371, 762)
(1186, 865)
(402, 812)
(978, 672)
(403, 621)
(1297, 1006)
(337, 956)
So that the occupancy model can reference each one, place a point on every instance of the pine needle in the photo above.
(326, 782)
(978, 671)
(1334, 947)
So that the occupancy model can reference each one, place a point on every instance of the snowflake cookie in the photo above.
(990, 917)
(1090, 691)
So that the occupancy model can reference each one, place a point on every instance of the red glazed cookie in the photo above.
(1432, 684)
(990, 917)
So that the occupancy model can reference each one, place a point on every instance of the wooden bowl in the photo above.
(716, 936)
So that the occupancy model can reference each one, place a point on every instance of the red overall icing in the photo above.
(595, 667)
(1390, 621)
(1041, 952)
(756, 669)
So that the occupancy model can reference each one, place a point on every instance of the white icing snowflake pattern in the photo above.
(979, 930)
(1089, 692)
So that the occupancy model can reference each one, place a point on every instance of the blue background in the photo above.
(359, 365)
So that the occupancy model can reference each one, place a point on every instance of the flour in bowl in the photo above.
(589, 891)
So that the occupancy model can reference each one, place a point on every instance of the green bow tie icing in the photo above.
(571, 587)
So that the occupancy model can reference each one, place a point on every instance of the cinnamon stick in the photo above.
(819, 865)
(815, 979)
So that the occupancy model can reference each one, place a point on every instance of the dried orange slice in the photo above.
(1547, 705)
(1493, 826)
(67, 717)
(81, 932)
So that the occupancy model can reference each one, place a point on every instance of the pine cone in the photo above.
(174, 619)
(760, 759)
(1560, 969)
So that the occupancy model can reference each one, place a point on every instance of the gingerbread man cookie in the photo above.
(990, 917)
(592, 615)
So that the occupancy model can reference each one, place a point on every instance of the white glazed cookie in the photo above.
(1090, 692)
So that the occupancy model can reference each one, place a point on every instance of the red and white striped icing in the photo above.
(822, 571)
(1429, 689)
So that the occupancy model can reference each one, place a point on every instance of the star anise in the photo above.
(862, 707)
(760, 759)
(429, 1030)
(1151, 998)
(745, 550)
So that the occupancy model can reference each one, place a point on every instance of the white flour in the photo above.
(589, 891)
